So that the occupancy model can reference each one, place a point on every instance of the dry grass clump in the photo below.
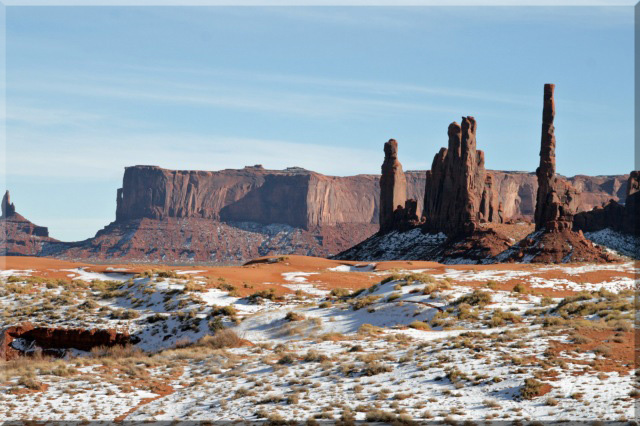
(260, 296)
(29, 382)
(224, 338)
(125, 314)
(500, 318)
(294, 316)
(193, 286)
(362, 302)
(477, 298)
(315, 356)
(420, 325)
(409, 278)
(531, 388)
(340, 293)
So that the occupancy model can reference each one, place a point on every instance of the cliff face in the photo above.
(229, 215)
(298, 198)
(305, 199)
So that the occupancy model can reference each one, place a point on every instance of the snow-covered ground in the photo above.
(443, 344)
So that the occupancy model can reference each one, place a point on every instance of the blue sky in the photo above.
(92, 90)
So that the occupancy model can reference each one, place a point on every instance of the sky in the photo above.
(91, 90)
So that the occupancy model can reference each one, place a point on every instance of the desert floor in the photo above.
(299, 338)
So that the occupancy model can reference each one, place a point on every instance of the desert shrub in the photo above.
(380, 416)
(340, 292)
(520, 288)
(294, 316)
(362, 302)
(223, 338)
(258, 296)
(370, 330)
(531, 388)
(394, 296)
(287, 358)
(315, 356)
(374, 367)
(216, 324)
(546, 301)
(419, 325)
(477, 298)
(192, 286)
(29, 382)
(125, 314)
(409, 278)
(500, 318)
(228, 310)
(493, 285)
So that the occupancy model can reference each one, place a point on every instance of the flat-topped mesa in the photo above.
(459, 194)
(393, 187)
(8, 209)
(556, 200)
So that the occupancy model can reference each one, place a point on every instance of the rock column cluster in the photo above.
(459, 194)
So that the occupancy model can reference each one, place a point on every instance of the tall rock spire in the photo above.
(393, 186)
(556, 200)
(8, 209)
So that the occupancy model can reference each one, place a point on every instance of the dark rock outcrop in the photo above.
(8, 209)
(19, 236)
(623, 218)
(459, 194)
(52, 340)
(393, 188)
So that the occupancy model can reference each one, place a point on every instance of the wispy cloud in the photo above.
(103, 155)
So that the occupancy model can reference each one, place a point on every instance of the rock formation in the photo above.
(613, 215)
(393, 188)
(234, 215)
(459, 194)
(556, 203)
(294, 196)
(49, 339)
(18, 236)
(556, 200)
(8, 209)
